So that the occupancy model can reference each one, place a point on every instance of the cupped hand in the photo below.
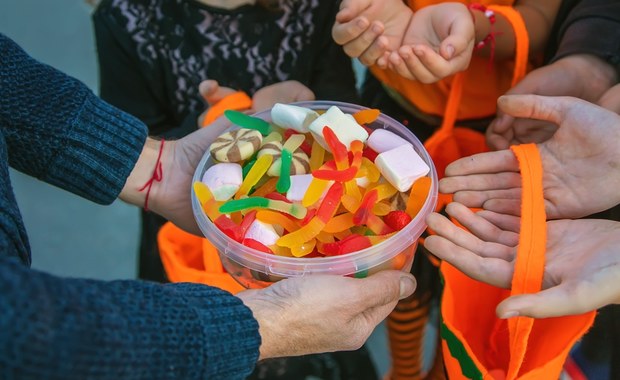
(321, 313)
(581, 161)
(438, 43)
(369, 30)
(580, 75)
(582, 260)
(282, 92)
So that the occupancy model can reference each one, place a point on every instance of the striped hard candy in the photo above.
(300, 162)
(236, 145)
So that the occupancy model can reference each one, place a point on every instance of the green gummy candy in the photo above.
(247, 121)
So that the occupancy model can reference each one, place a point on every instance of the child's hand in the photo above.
(369, 29)
(438, 43)
(283, 92)
(212, 92)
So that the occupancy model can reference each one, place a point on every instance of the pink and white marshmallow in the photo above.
(382, 140)
(401, 166)
(223, 179)
(262, 232)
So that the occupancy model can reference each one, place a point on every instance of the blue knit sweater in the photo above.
(53, 128)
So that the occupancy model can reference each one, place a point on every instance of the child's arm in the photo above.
(368, 29)
(427, 60)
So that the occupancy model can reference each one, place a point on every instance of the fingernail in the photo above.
(450, 51)
(509, 314)
(361, 23)
(407, 286)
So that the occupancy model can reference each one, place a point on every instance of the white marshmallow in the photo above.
(344, 126)
(262, 232)
(401, 166)
(293, 117)
(223, 179)
(382, 140)
(299, 186)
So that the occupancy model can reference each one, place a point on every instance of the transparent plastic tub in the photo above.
(256, 269)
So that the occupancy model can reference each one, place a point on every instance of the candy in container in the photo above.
(332, 188)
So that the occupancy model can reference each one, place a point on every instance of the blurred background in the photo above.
(71, 236)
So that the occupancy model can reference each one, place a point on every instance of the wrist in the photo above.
(482, 23)
(591, 74)
(144, 182)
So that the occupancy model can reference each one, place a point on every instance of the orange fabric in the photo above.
(189, 258)
(236, 101)
(476, 343)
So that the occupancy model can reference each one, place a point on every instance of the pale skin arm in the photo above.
(581, 269)
(430, 48)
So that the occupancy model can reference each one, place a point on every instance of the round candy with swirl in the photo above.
(236, 145)
(300, 163)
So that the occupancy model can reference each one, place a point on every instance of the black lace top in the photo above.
(154, 53)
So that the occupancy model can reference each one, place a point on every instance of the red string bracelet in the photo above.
(158, 175)
(490, 38)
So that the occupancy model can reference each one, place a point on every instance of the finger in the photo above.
(478, 198)
(349, 9)
(496, 272)
(480, 182)
(499, 134)
(376, 50)
(481, 227)
(437, 66)
(343, 33)
(382, 62)
(488, 162)
(552, 109)
(503, 221)
(553, 302)
(207, 88)
(386, 287)
(503, 206)
(368, 41)
(455, 43)
(413, 65)
(398, 65)
(466, 240)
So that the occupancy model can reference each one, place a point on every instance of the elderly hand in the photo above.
(321, 313)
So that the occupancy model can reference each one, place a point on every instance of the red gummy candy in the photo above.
(370, 154)
(397, 219)
(257, 245)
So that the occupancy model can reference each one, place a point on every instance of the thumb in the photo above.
(551, 109)
(552, 302)
(387, 287)
(456, 42)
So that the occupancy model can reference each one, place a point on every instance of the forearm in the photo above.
(538, 18)
(68, 329)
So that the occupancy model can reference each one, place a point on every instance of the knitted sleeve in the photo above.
(57, 130)
(53, 328)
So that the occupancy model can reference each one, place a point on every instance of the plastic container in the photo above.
(255, 269)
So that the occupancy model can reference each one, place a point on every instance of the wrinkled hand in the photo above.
(582, 260)
(283, 92)
(582, 76)
(581, 162)
(369, 29)
(438, 43)
(171, 197)
(611, 99)
(321, 313)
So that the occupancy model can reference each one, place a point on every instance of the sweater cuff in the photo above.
(232, 337)
(104, 145)
(583, 37)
